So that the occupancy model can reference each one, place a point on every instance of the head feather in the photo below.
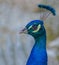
(47, 7)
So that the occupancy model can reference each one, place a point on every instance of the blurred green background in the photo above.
(14, 15)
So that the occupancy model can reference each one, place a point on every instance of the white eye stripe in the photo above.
(39, 26)
(30, 27)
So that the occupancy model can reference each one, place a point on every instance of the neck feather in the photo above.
(40, 42)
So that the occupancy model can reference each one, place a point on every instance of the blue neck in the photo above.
(38, 54)
(41, 42)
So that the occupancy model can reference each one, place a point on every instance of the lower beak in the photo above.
(23, 31)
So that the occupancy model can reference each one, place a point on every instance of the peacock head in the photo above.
(34, 28)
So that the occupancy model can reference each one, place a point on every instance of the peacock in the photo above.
(35, 28)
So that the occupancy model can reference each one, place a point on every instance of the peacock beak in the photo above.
(23, 31)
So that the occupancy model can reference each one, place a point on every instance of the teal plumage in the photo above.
(36, 28)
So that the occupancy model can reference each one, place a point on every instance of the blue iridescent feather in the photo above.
(48, 8)
(38, 54)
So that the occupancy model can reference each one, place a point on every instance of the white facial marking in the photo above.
(30, 27)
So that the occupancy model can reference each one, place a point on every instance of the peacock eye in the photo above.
(34, 27)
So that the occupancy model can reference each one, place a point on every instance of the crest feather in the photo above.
(51, 9)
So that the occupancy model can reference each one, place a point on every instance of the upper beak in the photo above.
(23, 31)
